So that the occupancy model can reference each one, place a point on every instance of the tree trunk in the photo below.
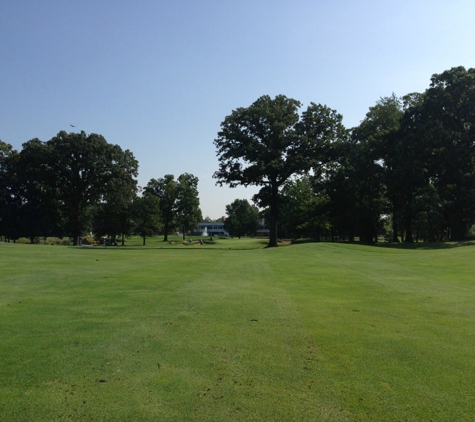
(274, 213)
(273, 227)
(272, 230)
(457, 226)
(351, 234)
(76, 239)
(395, 229)
(407, 223)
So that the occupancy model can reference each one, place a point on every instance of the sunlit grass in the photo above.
(234, 331)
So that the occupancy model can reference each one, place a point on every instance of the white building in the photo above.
(214, 228)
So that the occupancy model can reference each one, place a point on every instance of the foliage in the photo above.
(188, 203)
(72, 173)
(9, 201)
(406, 171)
(115, 214)
(268, 142)
(178, 201)
(448, 124)
(241, 218)
(364, 168)
(146, 216)
(303, 209)
(432, 153)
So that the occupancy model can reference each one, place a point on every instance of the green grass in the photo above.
(232, 331)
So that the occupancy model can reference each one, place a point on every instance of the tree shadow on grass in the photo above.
(426, 245)
(263, 244)
(401, 245)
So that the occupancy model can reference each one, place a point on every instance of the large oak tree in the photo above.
(268, 142)
(75, 172)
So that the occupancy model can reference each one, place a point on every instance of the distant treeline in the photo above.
(76, 184)
(406, 172)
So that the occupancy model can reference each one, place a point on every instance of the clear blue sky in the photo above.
(158, 77)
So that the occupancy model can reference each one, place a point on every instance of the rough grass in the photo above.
(309, 332)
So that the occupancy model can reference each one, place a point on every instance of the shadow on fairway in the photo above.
(263, 244)
(426, 245)
(401, 245)
(177, 248)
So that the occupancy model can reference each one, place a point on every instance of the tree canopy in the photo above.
(188, 203)
(407, 172)
(72, 173)
(268, 142)
(178, 201)
(241, 218)
(146, 216)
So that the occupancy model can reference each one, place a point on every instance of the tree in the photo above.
(39, 212)
(146, 214)
(114, 214)
(430, 159)
(447, 123)
(179, 201)
(165, 189)
(377, 160)
(9, 198)
(407, 156)
(76, 171)
(268, 142)
(242, 218)
(303, 209)
(188, 203)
